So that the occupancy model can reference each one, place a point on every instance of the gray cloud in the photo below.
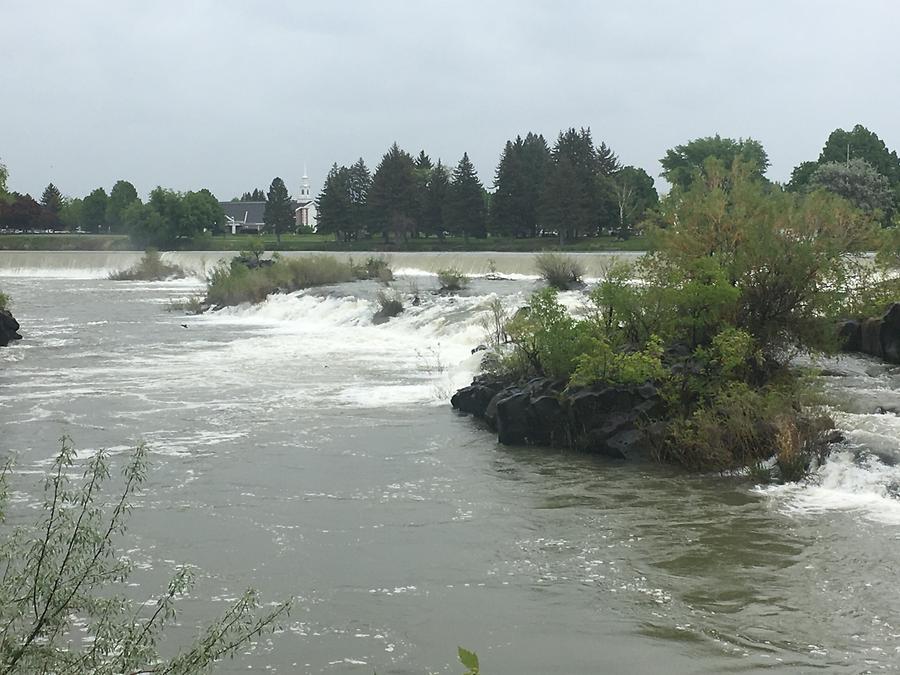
(227, 95)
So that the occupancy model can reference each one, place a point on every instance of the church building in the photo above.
(247, 217)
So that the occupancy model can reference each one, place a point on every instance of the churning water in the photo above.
(302, 450)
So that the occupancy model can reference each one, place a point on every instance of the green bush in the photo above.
(63, 601)
(150, 268)
(560, 271)
(452, 280)
(4, 301)
(236, 283)
(375, 268)
(743, 278)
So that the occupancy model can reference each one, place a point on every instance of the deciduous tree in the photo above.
(684, 163)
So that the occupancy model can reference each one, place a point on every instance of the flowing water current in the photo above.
(299, 449)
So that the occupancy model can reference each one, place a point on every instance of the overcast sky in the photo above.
(229, 94)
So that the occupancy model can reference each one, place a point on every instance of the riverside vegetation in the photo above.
(66, 572)
(699, 336)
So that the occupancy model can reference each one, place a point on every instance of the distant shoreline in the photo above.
(118, 242)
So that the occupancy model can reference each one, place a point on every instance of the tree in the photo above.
(256, 195)
(93, 210)
(684, 163)
(4, 176)
(564, 205)
(518, 182)
(67, 570)
(71, 214)
(121, 195)
(466, 212)
(333, 205)
(392, 197)
(800, 176)
(858, 182)
(860, 143)
(359, 182)
(20, 212)
(201, 211)
(52, 199)
(438, 192)
(279, 214)
(635, 194)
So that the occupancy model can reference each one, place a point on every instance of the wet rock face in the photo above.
(612, 421)
(878, 336)
(9, 328)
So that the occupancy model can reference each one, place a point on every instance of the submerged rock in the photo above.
(9, 328)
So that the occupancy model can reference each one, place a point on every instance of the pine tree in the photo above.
(333, 206)
(279, 214)
(436, 201)
(52, 199)
(564, 207)
(392, 197)
(359, 182)
(466, 212)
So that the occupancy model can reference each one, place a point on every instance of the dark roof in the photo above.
(244, 212)
(251, 213)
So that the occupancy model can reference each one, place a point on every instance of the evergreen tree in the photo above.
(466, 210)
(575, 149)
(392, 197)
(607, 162)
(333, 206)
(436, 201)
(279, 213)
(359, 182)
(52, 199)
(509, 207)
(564, 205)
(423, 171)
(121, 195)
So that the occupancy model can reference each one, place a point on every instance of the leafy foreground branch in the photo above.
(66, 571)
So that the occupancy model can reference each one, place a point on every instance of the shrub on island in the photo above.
(560, 271)
(688, 352)
(452, 280)
(237, 282)
(150, 268)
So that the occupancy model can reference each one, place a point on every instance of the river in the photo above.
(301, 450)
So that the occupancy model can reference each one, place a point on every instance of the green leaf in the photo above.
(469, 660)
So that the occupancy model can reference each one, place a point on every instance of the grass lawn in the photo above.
(313, 242)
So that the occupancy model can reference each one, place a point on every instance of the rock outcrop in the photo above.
(616, 421)
(9, 328)
(879, 337)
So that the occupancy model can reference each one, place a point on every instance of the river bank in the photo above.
(316, 242)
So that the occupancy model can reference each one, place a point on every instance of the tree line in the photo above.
(166, 216)
(573, 189)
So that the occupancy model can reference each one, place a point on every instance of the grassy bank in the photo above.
(313, 242)
(65, 242)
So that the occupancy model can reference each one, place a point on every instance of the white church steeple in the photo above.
(304, 187)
